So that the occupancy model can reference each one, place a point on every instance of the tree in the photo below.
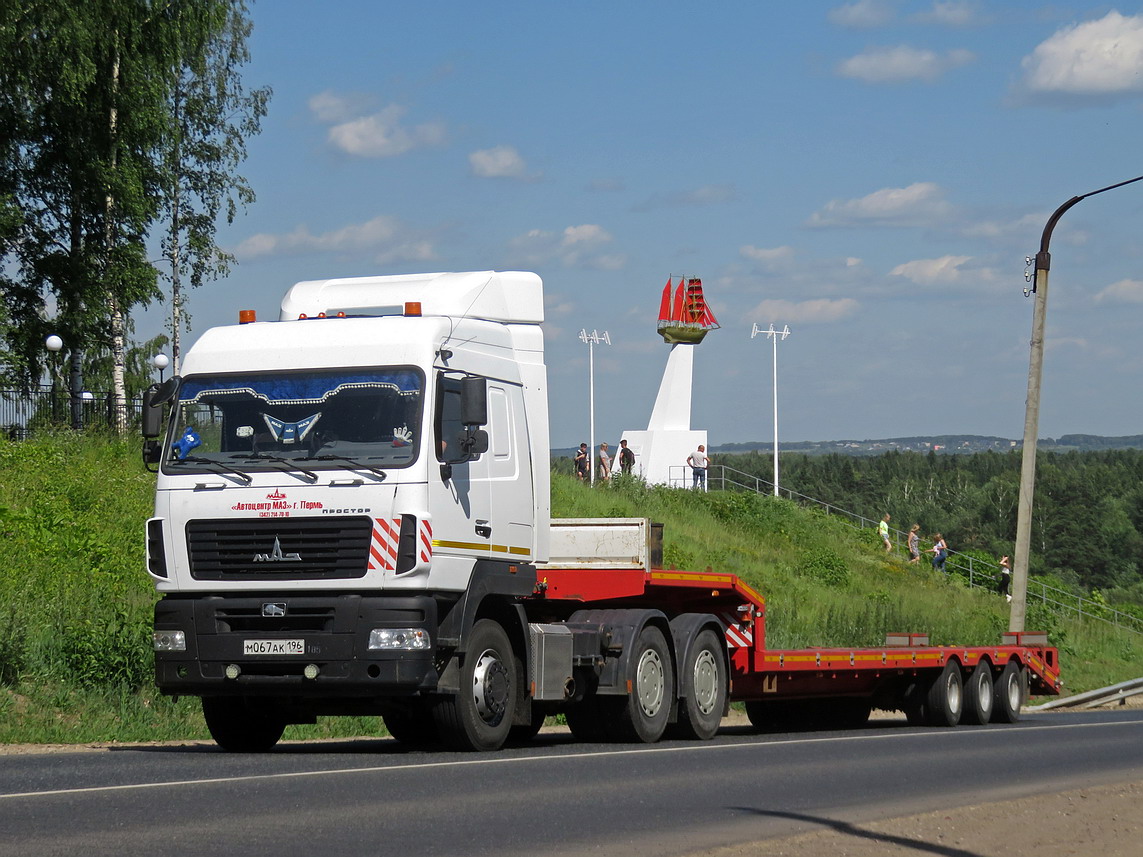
(211, 116)
(112, 113)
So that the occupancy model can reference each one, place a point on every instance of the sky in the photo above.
(871, 174)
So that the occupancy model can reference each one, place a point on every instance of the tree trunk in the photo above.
(118, 316)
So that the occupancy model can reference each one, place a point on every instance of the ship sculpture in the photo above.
(684, 315)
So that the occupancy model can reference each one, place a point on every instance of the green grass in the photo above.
(75, 601)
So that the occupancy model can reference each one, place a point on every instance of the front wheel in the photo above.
(642, 714)
(480, 716)
(240, 728)
(702, 681)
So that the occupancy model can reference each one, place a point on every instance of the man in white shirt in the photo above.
(699, 463)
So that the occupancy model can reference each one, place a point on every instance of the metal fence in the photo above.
(22, 414)
(979, 574)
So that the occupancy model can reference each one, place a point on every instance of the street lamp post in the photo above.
(775, 335)
(1043, 262)
(160, 362)
(592, 339)
(54, 344)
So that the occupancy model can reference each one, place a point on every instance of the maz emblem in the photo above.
(276, 555)
(274, 609)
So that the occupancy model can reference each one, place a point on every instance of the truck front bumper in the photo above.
(312, 646)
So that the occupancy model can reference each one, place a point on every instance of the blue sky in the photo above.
(871, 173)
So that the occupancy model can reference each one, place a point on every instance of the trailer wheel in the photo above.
(240, 728)
(944, 703)
(480, 715)
(411, 723)
(978, 697)
(1009, 694)
(642, 714)
(703, 687)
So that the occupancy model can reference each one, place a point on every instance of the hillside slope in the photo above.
(75, 602)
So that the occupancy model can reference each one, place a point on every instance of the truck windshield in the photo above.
(316, 419)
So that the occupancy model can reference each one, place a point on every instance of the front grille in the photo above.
(251, 618)
(282, 549)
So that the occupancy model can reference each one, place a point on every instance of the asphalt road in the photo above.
(554, 796)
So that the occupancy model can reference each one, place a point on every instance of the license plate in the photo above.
(273, 647)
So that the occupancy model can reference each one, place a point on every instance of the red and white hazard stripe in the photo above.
(386, 538)
(383, 545)
(737, 636)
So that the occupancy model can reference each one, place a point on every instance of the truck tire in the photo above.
(1009, 694)
(944, 703)
(978, 696)
(240, 728)
(480, 716)
(702, 680)
(411, 723)
(642, 714)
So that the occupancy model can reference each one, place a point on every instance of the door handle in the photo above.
(483, 530)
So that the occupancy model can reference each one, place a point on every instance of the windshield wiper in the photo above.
(217, 466)
(353, 463)
(289, 465)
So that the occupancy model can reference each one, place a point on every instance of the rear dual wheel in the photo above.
(978, 695)
(642, 714)
(1009, 694)
(944, 702)
(702, 680)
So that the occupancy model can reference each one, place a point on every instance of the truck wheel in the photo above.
(240, 728)
(411, 723)
(978, 695)
(703, 687)
(944, 703)
(642, 714)
(480, 715)
(1009, 694)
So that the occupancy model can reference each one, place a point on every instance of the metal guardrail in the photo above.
(983, 577)
(1095, 698)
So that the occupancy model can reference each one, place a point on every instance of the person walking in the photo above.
(940, 551)
(699, 462)
(1005, 578)
(604, 463)
(581, 462)
(883, 531)
(626, 458)
(914, 543)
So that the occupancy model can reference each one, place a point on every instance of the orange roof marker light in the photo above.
(413, 308)
(246, 316)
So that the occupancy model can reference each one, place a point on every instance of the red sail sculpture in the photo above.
(685, 316)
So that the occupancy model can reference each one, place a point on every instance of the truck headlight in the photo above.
(404, 639)
(169, 641)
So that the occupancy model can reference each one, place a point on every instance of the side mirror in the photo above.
(473, 401)
(152, 413)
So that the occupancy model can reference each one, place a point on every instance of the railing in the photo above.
(23, 414)
(979, 574)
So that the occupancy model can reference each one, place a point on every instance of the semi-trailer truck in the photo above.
(352, 516)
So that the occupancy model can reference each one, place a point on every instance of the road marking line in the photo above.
(504, 761)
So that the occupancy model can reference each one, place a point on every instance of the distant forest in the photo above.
(1087, 528)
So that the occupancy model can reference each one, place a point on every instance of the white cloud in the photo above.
(919, 204)
(1101, 58)
(1124, 291)
(385, 237)
(901, 63)
(819, 310)
(950, 13)
(499, 162)
(381, 135)
(575, 246)
(926, 272)
(767, 255)
(862, 14)
(329, 107)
